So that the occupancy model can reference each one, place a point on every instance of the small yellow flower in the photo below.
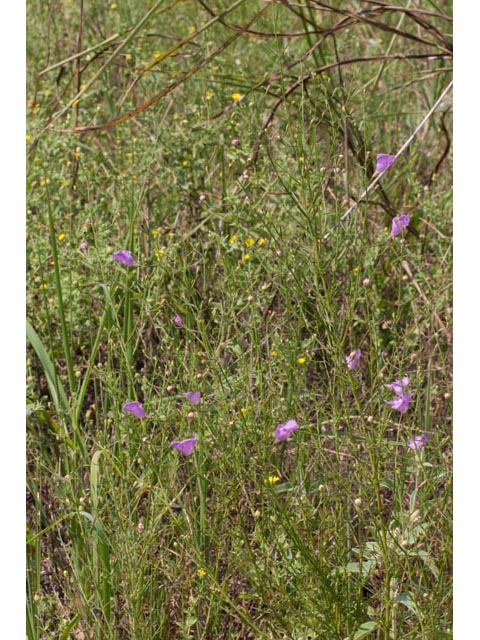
(274, 353)
(61, 237)
(356, 269)
(245, 257)
(76, 102)
(44, 286)
(63, 182)
(209, 94)
(233, 239)
(159, 253)
(113, 5)
(261, 242)
(52, 262)
(155, 232)
(201, 572)
(236, 96)
(133, 177)
(192, 28)
(128, 56)
(249, 242)
(28, 137)
(185, 163)
(157, 56)
(245, 409)
(272, 479)
(77, 153)
(301, 360)
(184, 121)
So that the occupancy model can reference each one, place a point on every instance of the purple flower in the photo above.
(178, 321)
(399, 386)
(285, 429)
(185, 446)
(399, 223)
(418, 442)
(400, 403)
(135, 408)
(383, 162)
(353, 358)
(125, 257)
(84, 245)
(193, 396)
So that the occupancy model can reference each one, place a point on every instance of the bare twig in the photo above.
(328, 67)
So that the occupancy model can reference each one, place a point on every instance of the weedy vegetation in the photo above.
(239, 319)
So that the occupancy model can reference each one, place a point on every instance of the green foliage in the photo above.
(221, 143)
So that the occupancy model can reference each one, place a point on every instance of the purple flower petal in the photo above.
(400, 403)
(135, 408)
(185, 446)
(418, 442)
(178, 321)
(84, 245)
(383, 162)
(285, 429)
(399, 223)
(125, 257)
(353, 358)
(398, 386)
(193, 396)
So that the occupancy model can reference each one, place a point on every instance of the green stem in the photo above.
(61, 308)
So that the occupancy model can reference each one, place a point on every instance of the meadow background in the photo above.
(221, 143)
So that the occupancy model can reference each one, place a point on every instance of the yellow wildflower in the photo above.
(249, 242)
(245, 257)
(209, 94)
(233, 239)
(356, 269)
(128, 56)
(155, 232)
(159, 253)
(192, 28)
(61, 237)
(201, 572)
(157, 56)
(77, 153)
(302, 360)
(113, 5)
(28, 137)
(261, 242)
(274, 353)
(44, 286)
(236, 96)
(185, 163)
(272, 479)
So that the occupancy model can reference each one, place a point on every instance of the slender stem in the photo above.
(61, 308)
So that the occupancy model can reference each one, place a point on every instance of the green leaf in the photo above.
(364, 630)
(57, 391)
(406, 600)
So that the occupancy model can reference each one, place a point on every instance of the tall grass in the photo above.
(231, 148)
